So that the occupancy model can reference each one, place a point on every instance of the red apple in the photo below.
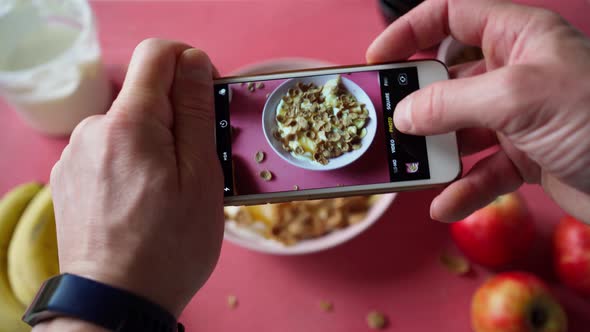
(497, 235)
(571, 245)
(516, 302)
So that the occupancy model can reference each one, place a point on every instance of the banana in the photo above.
(32, 254)
(12, 206)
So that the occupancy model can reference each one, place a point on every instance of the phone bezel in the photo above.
(442, 149)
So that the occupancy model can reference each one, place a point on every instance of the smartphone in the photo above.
(326, 133)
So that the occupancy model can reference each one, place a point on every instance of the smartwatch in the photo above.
(69, 295)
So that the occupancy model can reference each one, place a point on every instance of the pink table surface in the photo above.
(246, 113)
(392, 267)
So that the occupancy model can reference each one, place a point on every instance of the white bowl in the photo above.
(248, 239)
(269, 124)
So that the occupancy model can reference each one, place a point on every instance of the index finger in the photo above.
(473, 22)
(149, 79)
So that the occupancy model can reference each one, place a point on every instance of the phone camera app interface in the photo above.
(316, 132)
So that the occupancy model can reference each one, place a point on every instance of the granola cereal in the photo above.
(266, 175)
(292, 222)
(232, 301)
(259, 157)
(455, 264)
(376, 320)
(326, 306)
(321, 123)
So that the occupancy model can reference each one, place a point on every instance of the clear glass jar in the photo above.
(50, 63)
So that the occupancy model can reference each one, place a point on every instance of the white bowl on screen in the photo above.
(248, 239)
(269, 123)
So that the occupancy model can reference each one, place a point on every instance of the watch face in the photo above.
(39, 309)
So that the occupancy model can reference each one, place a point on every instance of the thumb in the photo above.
(500, 100)
(194, 114)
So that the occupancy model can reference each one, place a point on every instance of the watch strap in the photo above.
(69, 295)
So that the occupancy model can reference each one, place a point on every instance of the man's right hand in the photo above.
(530, 96)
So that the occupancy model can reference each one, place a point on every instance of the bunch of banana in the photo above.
(28, 250)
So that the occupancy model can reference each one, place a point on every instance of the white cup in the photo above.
(50, 64)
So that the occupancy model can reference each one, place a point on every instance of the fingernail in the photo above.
(432, 211)
(194, 65)
(402, 115)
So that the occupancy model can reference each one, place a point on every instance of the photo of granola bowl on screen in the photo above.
(319, 123)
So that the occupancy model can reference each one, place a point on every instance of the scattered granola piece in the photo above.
(455, 264)
(259, 85)
(376, 320)
(295, 187)
(266, 175)
(251, 87)
(259, 157)
(326, 306)
(232, 301)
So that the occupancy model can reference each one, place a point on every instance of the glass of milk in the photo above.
(50, 64)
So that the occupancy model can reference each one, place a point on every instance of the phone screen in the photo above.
(315, 132)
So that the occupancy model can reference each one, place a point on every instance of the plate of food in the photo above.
(319, 123)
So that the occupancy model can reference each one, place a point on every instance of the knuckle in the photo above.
(65, 152)
(114, 127)
(83, 127)
(546, 16)
(54, 175)
(471, 184)
(150, 44)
